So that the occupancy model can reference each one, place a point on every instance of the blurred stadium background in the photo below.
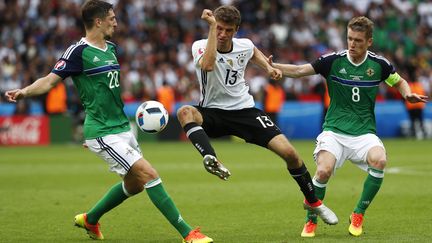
(155, 37)
(43, 187)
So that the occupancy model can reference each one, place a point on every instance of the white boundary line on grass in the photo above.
(405, 171)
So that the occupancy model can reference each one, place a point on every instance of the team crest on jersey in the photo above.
(241, 59)
(370, 72)
(230, 62)
(60, 65)
(201, 51)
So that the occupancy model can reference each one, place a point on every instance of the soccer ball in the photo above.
(151, 117)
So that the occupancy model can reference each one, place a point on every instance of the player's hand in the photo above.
(208, 16)
(275, 73)
(270, 60)
(415, 98)
(14, 95)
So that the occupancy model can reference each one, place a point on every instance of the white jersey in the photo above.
(225, 86)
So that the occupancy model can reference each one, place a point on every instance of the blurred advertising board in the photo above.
(24, 130)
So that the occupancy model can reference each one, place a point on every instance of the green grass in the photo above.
(42, 188)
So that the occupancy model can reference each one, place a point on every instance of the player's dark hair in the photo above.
(93, 9)
(228, 14)
(362, 24)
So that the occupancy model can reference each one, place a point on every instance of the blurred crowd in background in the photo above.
(154, 40)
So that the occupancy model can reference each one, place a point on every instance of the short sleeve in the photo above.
(70, 64)
(198, 49)
(322, 65)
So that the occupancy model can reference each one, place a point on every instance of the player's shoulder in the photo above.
(243, 42)
(74, 48)
(200, 42)
(198, 47)
(333, 55)
(378, 58)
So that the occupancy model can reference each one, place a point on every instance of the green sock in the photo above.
(320, 190)
(166, 206)
(110, 200)
(371, 186)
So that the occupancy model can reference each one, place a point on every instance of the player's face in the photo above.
(358, 44)
(108, 25)
(225, 32)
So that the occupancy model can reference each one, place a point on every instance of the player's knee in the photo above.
(133, 187)
(142, 179)
(323, 173)
(184, 112)
(378, 163)
(151, 174)
(142, 173)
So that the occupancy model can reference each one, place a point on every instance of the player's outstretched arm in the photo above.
(207, 61)
(40, 86)
(404, 89)
(292, 71)
(261, 60)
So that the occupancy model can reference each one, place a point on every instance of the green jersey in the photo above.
(96, 75)
(353, 89)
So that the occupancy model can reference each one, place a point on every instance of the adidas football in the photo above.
(151, 116)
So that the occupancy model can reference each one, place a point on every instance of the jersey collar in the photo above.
(88, 43)
(360, 63)
(230, 50)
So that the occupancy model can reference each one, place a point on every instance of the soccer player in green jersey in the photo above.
(349, 130)
(95, 71)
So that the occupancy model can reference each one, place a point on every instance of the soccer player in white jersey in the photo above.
(349, 131)
(227, 108)
(93, 66)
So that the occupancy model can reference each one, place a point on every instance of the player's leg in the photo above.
(372, 151)
(143, 175)
(282, 147)
(377, 161)
(320, 181)
(325, 164)
(120, 156)
(296, 167)
(325, 161)
(191, 120)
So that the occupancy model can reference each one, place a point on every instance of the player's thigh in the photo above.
(214, 121)
(116, 151)
(367, 148)
(329, 151)
(326, 165)
(253, 125)
(130, 138)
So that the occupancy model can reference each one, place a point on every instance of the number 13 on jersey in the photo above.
(231, 77)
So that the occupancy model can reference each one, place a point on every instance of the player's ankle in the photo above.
(313, 204)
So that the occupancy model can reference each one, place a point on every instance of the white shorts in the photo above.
(120, 151)
(346, 147)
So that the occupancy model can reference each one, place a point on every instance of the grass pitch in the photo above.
(43, 188)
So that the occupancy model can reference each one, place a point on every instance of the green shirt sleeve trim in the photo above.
(393, 79)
